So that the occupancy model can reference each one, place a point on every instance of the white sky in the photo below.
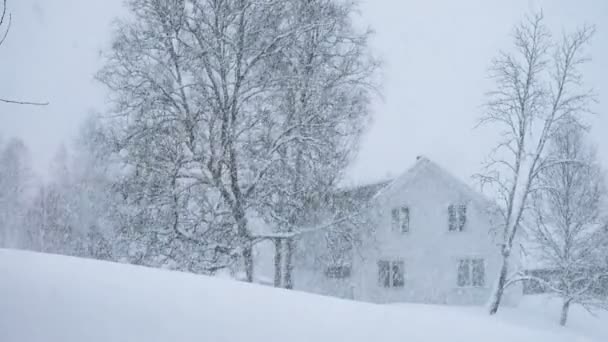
(435, 58)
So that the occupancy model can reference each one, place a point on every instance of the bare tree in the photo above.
(167, 128)
(200, 118)
(321, 105)
(538, 87)
(568, 232)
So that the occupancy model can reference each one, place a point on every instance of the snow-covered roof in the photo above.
(353, 197)
(424, 167)
(364, 192)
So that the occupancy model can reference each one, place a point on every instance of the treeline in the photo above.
(60, 213)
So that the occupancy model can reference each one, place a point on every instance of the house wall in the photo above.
(311, 261)
(430, 252)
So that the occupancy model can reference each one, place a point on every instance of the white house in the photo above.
(426, 237)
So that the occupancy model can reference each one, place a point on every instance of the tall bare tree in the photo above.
(569, 232)
(200, 119)
(539, 86)
(325, 78)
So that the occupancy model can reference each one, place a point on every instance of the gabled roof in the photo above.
(424, 167)
(362, 193)
(353, 198)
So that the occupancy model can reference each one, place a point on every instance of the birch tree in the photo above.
(569, 231)
(167, 129)
(196, 86)
(539, 86)
(325, 77)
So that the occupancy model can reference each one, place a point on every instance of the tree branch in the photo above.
(24, 102)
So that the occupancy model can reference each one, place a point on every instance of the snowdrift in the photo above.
(57, 298)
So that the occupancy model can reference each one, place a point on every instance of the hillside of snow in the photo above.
(57, 298)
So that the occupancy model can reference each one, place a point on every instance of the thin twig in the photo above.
(24, 102)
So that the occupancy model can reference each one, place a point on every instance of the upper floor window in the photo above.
(457, 217)
(401, 219)
(471, 272)
(391, 273)
(337, 272)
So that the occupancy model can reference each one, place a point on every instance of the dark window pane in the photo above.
(478, 274)
(338, 272)
(405, 219)
(398, 277)
(463, 273)
(395, 219)
(384, 273)
(451, 218)
(462, 216)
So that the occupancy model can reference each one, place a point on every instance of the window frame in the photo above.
(388, 278)
(482, 262)
(338, 271)
(457, 217)
(400, 219)
(469, 281)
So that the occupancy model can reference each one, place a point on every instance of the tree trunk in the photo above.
(289, 244)
(500, 285)
(564, 316)
(248, 260)
(245, 239)
(278, 262)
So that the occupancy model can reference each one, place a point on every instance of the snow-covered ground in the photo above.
(56, 298)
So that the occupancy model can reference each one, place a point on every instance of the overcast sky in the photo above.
(435, 55)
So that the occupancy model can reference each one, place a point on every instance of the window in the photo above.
(457, 217)
(391, 273)
(337, 272)
(401, 219)
(471, 272)
(478, 272)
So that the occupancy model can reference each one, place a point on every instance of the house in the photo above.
(424, 236)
